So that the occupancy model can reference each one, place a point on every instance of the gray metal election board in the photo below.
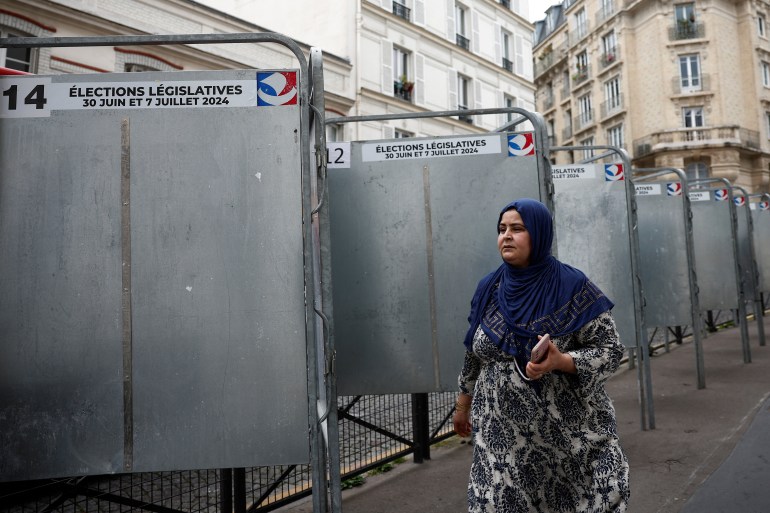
(206, 326)
(413, 230)
(714, 252)
(591, 215)
(663, 262)
(746, 247)
(761, 215)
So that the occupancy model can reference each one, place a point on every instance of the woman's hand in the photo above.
(554, 360)
(462, 416)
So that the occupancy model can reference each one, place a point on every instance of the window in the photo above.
(696, 171)
(20, 59)
(581, 23)
(402, 79)
(609, 48)
(765, 74)
(551, 130)
(461, 14)
(587, 153)
(761, 25)
(567, 132)
(689, 73)
(612, 98)
(402, 134)
(581, 67)
(684, 13)
(510, 102)
(767, 123)
(684, 21)
(334, 132)
(463, 86)
(506, 40)
(693, 118)
(585, 113)
(615, 136)
(138, 68)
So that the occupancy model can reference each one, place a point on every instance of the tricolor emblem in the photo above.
(521, 145)
(764, 205)
(277, 88)
(613, 172)
(721, 195)
(739, 201)
(674, 188)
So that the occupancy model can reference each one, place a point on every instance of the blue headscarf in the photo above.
(547, 296)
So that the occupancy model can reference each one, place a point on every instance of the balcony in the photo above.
(609, 57)
(464, 117)
(462, 41)
(544, 61)
(605, 13)
(548, 101)
(686, 30)
(696, 136)
(507, 64)
(697, 84)
(611, 106)
(583, 119)
(580, 32)
(401, 11)
(581, 75)
(403, 89)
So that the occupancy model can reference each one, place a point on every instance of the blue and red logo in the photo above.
(764, 205)
(721, 195)
(613, 172)
(674, 188)
(277, 88)
(739, 201)
(521, 145)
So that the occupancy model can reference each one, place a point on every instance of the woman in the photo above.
(544, 433)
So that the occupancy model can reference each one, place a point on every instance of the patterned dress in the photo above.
(549, 445)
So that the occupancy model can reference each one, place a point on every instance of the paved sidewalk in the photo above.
(696, 431)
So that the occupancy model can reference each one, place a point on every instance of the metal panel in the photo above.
(217, 286)
(61, 391)
(218, 290)
(592, 232)
(714, 254)
(746, 247)
(663, 262)
(761, 217)
(410, 239)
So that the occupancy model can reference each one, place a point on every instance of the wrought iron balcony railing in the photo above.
(686, 30)
(463, 41)
(401, 11)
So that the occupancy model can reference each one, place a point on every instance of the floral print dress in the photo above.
(549, 445)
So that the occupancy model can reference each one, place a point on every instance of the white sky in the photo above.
(537, 9)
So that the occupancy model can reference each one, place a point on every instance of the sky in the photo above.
(537, 9)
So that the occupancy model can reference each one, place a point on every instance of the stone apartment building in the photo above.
(380, 56)
(681, 84)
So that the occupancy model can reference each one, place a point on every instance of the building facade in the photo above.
(416, 56)
(79, 18)
(682, 84)
(380, 56)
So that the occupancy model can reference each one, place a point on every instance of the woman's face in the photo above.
(513, 240)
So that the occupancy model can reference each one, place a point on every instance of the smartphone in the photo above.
(540, 349)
